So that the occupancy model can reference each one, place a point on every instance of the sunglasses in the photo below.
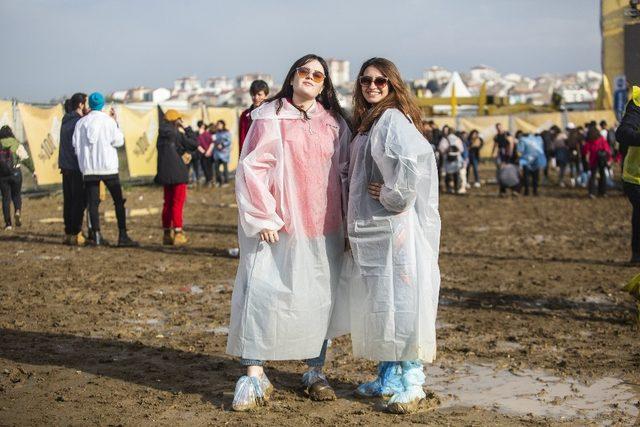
(380, 82)
(303, 73)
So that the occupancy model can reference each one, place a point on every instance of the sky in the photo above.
(53, 48)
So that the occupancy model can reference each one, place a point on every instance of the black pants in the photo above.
(195, 164)
(207, 167)
(112, 182)
(602, 181)
(633, 193)
(531, 177)
(11, 188)
(225, 171)
(74, 200)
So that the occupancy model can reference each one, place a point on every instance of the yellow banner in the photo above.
(42, 129)
(191, 117)
(543, 121)
(230, 117)
(140, 135)
(579, 118)
(524, 126)
(440, 121)
(486, 126)
(6, 114)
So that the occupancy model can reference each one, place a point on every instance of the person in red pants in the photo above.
(175, 143)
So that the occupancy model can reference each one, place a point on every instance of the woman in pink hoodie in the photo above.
(598, 153)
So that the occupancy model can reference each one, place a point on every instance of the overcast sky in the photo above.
(56, 47)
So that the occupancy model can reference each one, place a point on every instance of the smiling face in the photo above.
(258, 98)
(372, 93)
(306, 88)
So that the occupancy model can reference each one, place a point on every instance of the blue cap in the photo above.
(96, 101)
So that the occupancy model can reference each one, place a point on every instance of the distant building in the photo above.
(481, 73)
(184, 87)
(339, 71)
(217, 85)
(244, 81)
(437, 74)
(159, 95)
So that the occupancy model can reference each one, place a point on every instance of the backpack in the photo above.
(6, 162)
(453, 153)
(603, 158)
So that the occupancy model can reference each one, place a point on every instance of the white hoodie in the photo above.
(95, 139)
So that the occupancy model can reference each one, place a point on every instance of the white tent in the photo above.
(461, 88)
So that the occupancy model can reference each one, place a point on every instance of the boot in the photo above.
(124, 241)
(251, 392)
(408, 401)
(316, 386)
(388, 382)
(167, 238)
(18, 219)
(179, 238)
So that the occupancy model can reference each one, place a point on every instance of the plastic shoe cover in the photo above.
(388, 383)
(413, 379)
(316, 386)
(251, 392)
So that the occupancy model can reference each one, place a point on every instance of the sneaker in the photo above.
(251, 392)
(388, 382)
(67, 239)
(18, 219)
(317, 387)
(476, 185)
(180, 239)
(8, 228)
(77, 239)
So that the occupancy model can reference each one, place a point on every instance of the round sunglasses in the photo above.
(304, 72)
(380, 82)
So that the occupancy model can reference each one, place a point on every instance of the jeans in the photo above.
(74, 200)
(473, 164)
(225, 171)
(92, 185)
(633, 194)
(316, 362)
(174, 197)
(207, 167)
(11, 188)
(455, 177)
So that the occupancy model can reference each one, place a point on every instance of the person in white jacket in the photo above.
(95, 140)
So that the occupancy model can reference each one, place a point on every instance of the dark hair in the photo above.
(200, 123)
(519, 133)
(6, 132)
(603, 123)
(399, 97)
(74, 102)
(592, 133)
(473, 131)
(327, 97)
(257, 86)
(224, 125)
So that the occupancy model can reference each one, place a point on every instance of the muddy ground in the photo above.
(531, 297)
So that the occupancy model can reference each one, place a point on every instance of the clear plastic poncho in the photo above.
(395, 242)
(288, 179)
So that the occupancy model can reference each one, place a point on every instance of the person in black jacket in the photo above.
(175, 145)
(628, 135)
(73, 192)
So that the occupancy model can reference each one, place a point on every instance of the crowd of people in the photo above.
(584, 156)
(352, 198)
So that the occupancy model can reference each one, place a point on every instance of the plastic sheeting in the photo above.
(288, 179)
(395, 242)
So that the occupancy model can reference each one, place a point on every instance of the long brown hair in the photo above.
(364, 114)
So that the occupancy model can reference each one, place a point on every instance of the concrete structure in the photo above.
(244, 81)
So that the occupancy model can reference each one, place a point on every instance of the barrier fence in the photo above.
(39, 129)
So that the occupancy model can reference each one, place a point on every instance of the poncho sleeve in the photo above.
(400, 152)
(256, 180)
(345, 138)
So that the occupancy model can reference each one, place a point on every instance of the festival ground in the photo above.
(533, 326)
